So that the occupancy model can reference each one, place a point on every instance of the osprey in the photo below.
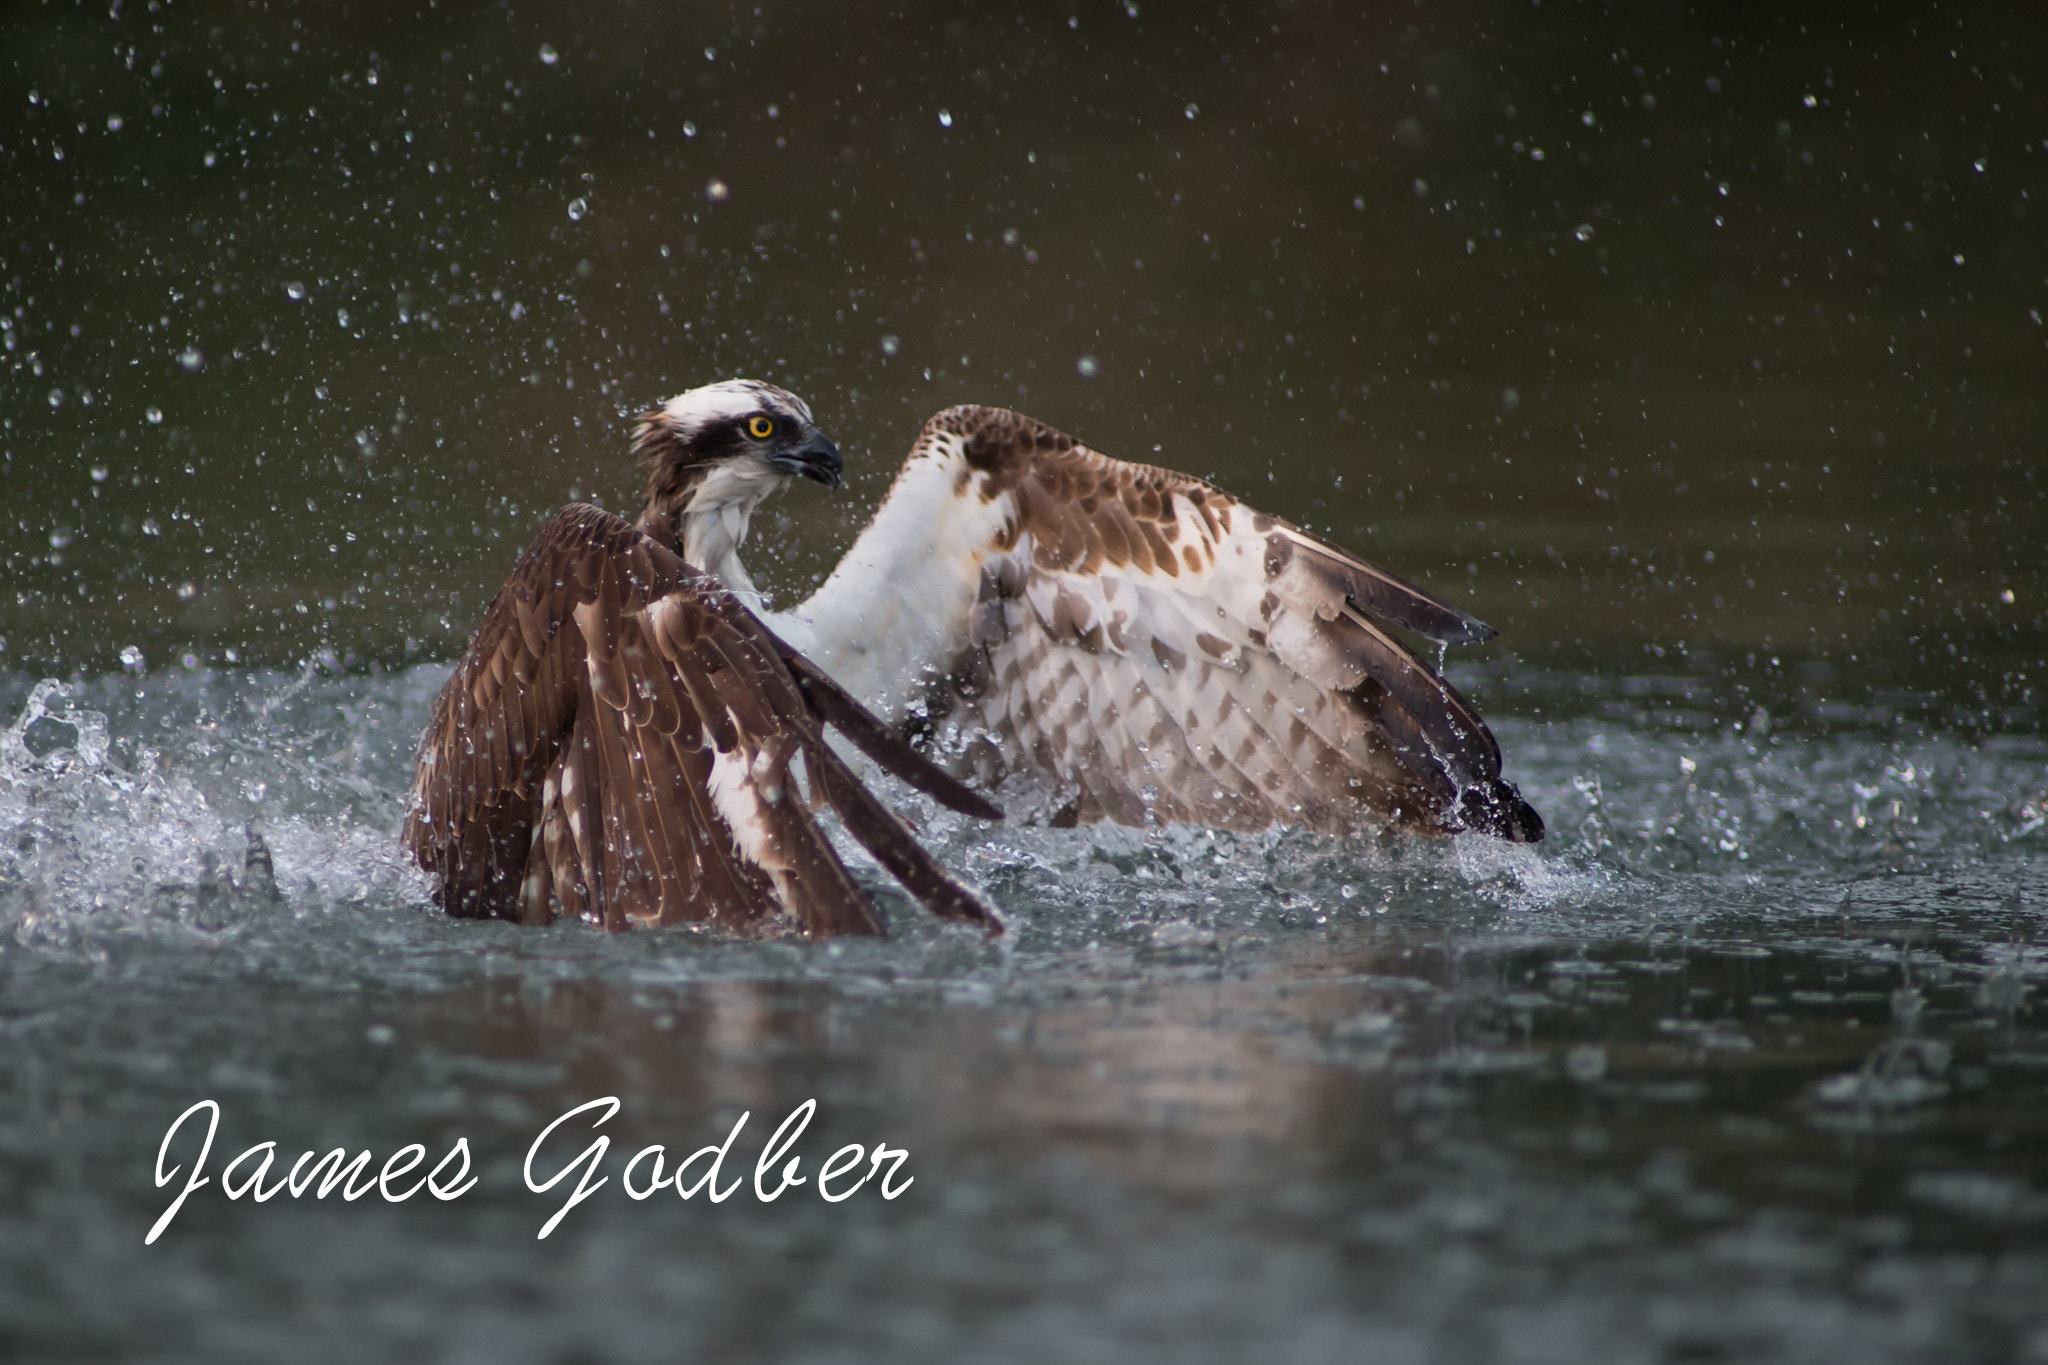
(1146, 646)
(624, 742)
(1140, 643)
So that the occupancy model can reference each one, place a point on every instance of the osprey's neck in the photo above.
(707, 522)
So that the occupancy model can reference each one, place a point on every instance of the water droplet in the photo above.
(1010, 237)
(1810, 102)
(1088, 367)
(341, 316)
(187, 591)
(1978, 164)
(60, 537)
(1959, 258)
(114, 126)
(689, 128)
(193, 359)
(320, 392)
(210, 159)
(548, 55)
(945, 118)
(154, 413)
(1587, 118)
(891, 345)
(131, 659)
(1190, 110)
(577, 208)
(56, 398)
(294, 290)
(1535, 153)
(152, 527)
(1511, 399)
(99, 473)
(717, 191)
(1584, 232)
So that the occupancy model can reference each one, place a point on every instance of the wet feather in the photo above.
(565, 767)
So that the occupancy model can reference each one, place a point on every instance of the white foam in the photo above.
(96, 827)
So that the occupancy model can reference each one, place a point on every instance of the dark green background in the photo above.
(1748, 366)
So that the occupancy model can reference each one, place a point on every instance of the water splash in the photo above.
(101, 829)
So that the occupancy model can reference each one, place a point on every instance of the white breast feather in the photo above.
(900, 600)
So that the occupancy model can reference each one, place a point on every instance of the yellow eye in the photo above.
(760, 428)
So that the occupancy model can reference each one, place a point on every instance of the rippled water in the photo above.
(1745, 1062)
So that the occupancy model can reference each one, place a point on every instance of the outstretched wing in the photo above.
(1154, 647)
(626, 743)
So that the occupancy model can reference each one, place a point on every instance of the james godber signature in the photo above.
(398, 1179)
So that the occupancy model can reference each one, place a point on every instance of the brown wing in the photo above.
(624, 742)
(1165, 652)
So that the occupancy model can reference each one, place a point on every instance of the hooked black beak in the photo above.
(816, 458)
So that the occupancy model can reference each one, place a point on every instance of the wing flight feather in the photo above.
(1154, 648)
(624, 742)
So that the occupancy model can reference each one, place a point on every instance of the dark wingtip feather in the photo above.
(836, 707)
(886, 837)
(1472, 631)
(1496, 808)
(1389, 595)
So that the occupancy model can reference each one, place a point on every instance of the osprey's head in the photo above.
(740, 430)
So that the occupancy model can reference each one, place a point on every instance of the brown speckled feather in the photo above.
(1153, 647)
(625, 743)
